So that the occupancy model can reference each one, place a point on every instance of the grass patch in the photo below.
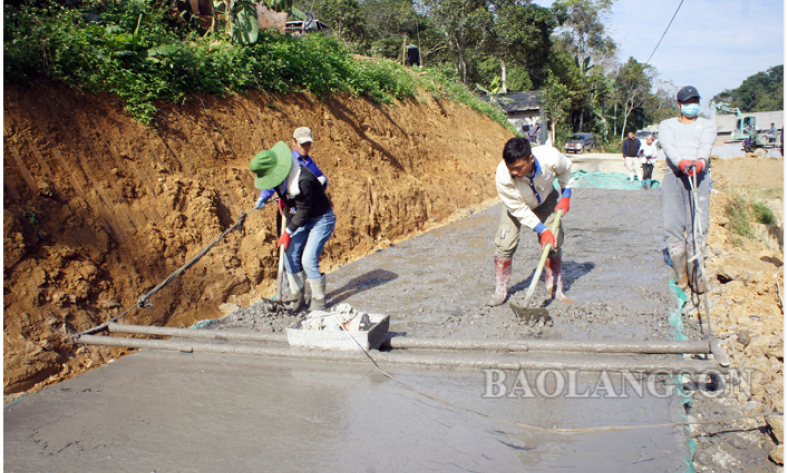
(438, 85)
(739, 217)
(763, 214)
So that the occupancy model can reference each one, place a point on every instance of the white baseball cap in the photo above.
(303, 135)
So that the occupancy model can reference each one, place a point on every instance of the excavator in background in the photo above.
(746, 131)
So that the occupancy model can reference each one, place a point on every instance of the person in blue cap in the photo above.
(310, 226)
(686, 141)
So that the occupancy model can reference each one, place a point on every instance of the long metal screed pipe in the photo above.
(652, 347)
(471, 361)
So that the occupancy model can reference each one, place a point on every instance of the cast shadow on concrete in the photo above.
(571, 271)
(366, 281)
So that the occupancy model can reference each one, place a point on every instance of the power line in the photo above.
(666, 31)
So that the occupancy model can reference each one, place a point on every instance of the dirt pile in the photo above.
(747, 280)
(98, 209)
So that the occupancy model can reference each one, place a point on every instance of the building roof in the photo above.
(520, 101)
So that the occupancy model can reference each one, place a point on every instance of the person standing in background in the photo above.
(648, 154)
(631, 147)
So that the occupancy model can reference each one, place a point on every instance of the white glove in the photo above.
(260, 204)
(322, 180)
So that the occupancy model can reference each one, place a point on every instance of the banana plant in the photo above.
(246, 28)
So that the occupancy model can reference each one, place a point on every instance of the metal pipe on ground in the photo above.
(469, 361)
(198, 333)
(655, 347)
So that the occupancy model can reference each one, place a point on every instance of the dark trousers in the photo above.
(648, 168)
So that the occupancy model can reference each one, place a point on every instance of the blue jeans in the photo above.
(307, 243)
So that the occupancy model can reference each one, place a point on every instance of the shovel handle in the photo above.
(540, 267)
(280, 276)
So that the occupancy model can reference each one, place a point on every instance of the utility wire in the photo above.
(666, 31)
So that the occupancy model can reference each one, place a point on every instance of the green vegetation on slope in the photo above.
(144, 53)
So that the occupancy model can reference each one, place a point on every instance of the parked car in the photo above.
(579, 142)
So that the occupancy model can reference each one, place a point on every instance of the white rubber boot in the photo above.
(318, 293)
(296, 301)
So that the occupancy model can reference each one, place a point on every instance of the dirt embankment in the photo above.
(98, 209)
(747, 311)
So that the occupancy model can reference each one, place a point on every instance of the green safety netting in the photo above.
(677, 322)
(601, 180)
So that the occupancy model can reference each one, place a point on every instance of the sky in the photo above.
(712, 44)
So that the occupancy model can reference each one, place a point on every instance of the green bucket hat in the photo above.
(271, 167)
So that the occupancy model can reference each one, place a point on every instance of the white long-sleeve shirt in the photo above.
(523, 194)
(691, 141)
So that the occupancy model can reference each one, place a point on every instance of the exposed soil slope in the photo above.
(747, 315)
(98, 209)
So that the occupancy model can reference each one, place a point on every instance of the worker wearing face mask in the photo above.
(687, 141)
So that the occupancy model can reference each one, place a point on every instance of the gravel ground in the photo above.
(735, 150)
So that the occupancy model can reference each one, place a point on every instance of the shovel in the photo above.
(280, 277)
(533, 315)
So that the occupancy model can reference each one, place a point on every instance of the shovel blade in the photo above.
(531, 315)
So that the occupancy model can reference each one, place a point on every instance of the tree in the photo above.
(555, 99)
(633, 85)
(523, 38)
(345, 19)
(760, 92)
(467, 26)
(663, 103)
(582, 37)
(583, 31)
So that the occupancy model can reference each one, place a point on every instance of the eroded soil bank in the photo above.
(99, 209)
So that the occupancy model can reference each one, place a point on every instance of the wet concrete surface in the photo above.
(436, 284)
(157, 411)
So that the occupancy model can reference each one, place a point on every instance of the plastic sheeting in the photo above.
(676, 321)
(600, 180)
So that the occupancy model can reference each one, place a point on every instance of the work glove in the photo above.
(563, 204)
(547, 237)
(691, 168)
(284, 239)
(260, 204)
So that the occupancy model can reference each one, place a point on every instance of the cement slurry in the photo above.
(159, 411)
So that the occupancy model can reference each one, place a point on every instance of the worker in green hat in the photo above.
(309, 228)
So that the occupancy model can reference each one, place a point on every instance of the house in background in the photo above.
(523, 111)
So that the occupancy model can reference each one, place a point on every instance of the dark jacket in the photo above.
(631, 153)
(311, 203)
